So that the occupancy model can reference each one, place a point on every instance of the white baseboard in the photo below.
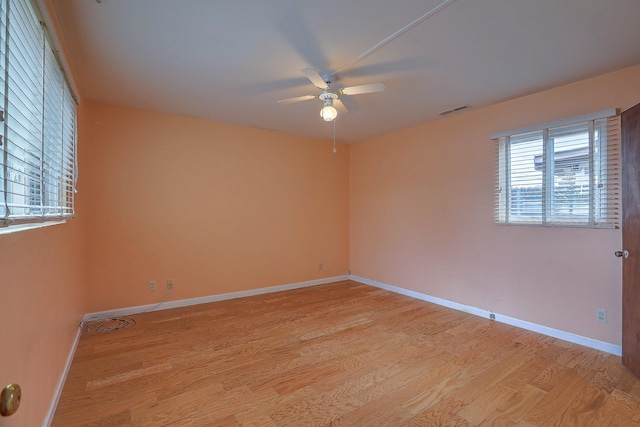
(534, 327)
(63, 378)
(213, 298)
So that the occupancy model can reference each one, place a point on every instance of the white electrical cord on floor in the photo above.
(110, 323)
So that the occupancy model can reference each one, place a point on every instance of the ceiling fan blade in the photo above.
(340, 106)
(357, 90)
(296, 99)
(314, 76)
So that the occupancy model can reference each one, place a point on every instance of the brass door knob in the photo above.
(10, 400)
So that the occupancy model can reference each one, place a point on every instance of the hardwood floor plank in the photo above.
(380, 389)
(182, 405)
(340, 422)
(367, 364)
(180, 423)
(551, 408)
(553, 375)
(457, 421)
(485, 345)
(437, 414)
(178, 379)
(394, 417)
(442, 382)
(214, 421)
(264, 421)
(375, 414)
(99, 411)
(299, 378)
(374, 376)
(125, 376)
(262, 410)
(343, 354)
(514, 409)
(492, 398)
(502, 366)
(618, 410)
(532, 368)
(387, 402)
(316, 411)
(584, 408)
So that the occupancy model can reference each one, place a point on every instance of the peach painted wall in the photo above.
(217, 208)
(42, 303)
(422, 217)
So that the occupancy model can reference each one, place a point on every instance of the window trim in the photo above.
(45, 18)
(15, 228)
(602, 114)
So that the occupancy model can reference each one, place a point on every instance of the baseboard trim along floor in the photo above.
(63, 378)
(533, 327)
(213, 298)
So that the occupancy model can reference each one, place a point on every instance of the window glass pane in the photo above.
(601, 173)
(53, 138)
(24, 112)
(525, 177)
(569, 195)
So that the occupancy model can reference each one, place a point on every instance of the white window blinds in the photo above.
(560, 173)
(38, 162)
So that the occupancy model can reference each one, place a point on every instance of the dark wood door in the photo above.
(631, 239)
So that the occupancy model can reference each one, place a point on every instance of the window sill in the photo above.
(599, 226)
(10, 229)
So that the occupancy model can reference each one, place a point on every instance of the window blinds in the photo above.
(562, 173)
(39, 122)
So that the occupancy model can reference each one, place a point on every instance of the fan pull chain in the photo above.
(334, 136)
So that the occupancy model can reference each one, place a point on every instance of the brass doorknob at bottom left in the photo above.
(10, 399)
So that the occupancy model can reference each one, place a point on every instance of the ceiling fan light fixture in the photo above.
(328, 112)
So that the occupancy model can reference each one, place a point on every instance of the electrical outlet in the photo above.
(320, 266)
(601, 315)
(152, 285)
(169, 284)
(492, 316)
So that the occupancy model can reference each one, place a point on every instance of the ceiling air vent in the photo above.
(454, 110)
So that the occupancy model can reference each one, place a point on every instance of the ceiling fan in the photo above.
(331, 97)
(323, 82)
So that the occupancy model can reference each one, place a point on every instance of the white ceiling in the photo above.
(232, 60)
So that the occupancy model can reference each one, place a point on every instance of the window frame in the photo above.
(603, 207)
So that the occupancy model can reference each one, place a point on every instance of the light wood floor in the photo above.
(343, 354)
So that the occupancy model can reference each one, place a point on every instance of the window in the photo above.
(562, 173)
(38, 127)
